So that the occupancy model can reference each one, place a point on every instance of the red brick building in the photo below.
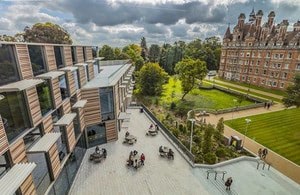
(263, 54)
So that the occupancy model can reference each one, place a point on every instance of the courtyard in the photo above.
(163, 176)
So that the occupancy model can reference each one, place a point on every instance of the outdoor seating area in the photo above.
(129, 139)
(135, 160)
(98, 155)
(152, 130)
(166, 152)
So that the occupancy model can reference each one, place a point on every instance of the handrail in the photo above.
(216, 173)
(263, 163)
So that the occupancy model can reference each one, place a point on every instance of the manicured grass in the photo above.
(279, 131)
(246, 91)
(273, 91)
(198, 98)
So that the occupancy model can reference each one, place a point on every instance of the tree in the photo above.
(107, 52)
(292, 97)
(151, 78)
(154, 53)
(139, 63)
(46, 33)
(7, 38)
(133, 51)
(119, 55)
(189, 71)
(144, 52)
(219, 130)
(207, 138)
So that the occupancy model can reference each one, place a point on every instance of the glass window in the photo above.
(107, 103)
(63, 87)
(84, 53)
(76, 80)
(8, 66)
(37, 59)
(41, 178)
(96, 134)
(14, 114)
(44, 94)
(61, 142)
(96, 69)
(58, 56)
(57, 114)
(86, 72)
(94, 51)
(62, 184)
(32, 137)
(5, 166)
(74, 59)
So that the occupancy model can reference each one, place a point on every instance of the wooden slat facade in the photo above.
(89, 53)
(71, 137)
(92, 111)
(24, 61)
(66, 106)
(79, 53)
(56, 92)
(50, 58)
(34, 106)
(27, 187)
(17, 151)
(91, 71)
(81, 118)
(116, 99)
(111, 130)
(47, 124)
(54, 161)
(67, 56)
(3, 138)
(71, 82)
(78, 94)
(82, 76)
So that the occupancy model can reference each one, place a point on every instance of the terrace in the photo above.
(163, 176)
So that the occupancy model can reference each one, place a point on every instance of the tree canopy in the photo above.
(154, 53)
(45, 33)
(189, 71)
(150, 79)
(107, 52)
(293, 93)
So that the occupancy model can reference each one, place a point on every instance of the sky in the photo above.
(122, 22)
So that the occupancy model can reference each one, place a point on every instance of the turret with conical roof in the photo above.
(241, 21)
(271, 17)
(227, 34)
(252, 16)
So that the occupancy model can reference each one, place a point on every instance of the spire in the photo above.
(252, 15)
(227, 34)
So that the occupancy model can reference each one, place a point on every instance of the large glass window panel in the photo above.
(37, 59)
(45, 99)
(8, 66)
(63, 87)
(58, 56)
(41, 178)
(5, 166)
(62, 184)
(94, 51)
(61, 142)
(14, 114)
(32, 137)
(96, 134)
(107, 103)
(86, 72)
(76, 80)
(73, 51)
(84, 53)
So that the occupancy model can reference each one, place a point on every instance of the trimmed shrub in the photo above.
(210, 158)
(221, 152)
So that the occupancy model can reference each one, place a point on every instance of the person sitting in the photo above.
(126, 134)
(135, 152)
(104, 152)
(151, 126)
(97, 150)
(156, 128)
(170, 153)
(160, 149)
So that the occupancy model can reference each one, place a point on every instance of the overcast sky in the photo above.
(120, 22)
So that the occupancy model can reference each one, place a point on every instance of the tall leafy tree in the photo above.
(292, 97)
(154, 53)
(150, 79)
(133, 51)
(7, 38)
(46, 33)
(139, 63)
(144, 52)
(207, 138)
(189, 71)
(107, 52)
(219, 130)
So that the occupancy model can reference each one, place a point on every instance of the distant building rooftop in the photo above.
(111, 72)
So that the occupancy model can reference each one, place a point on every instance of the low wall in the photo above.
(280, 163)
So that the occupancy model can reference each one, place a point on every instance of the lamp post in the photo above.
(193, 121)
(247, 124)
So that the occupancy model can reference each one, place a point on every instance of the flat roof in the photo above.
(80, 104)
(20, 85)
(51, 75)
(65, 119)
(45, 143)
(13, 179)
(109, 76)
(123, 115)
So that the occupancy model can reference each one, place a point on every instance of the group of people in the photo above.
(262, 153)
(133, 159)
(156, 127)
(98, 151)
(170, 153)
(268, 104)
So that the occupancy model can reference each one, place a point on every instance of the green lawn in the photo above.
(198, 98)
(279, 131)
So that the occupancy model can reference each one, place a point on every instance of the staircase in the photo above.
(217, 179)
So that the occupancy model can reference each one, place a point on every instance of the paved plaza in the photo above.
(163, 176)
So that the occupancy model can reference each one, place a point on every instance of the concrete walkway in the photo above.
(251, 90)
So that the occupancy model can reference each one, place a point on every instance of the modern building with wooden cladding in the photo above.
(55, 102)
(262, 54)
